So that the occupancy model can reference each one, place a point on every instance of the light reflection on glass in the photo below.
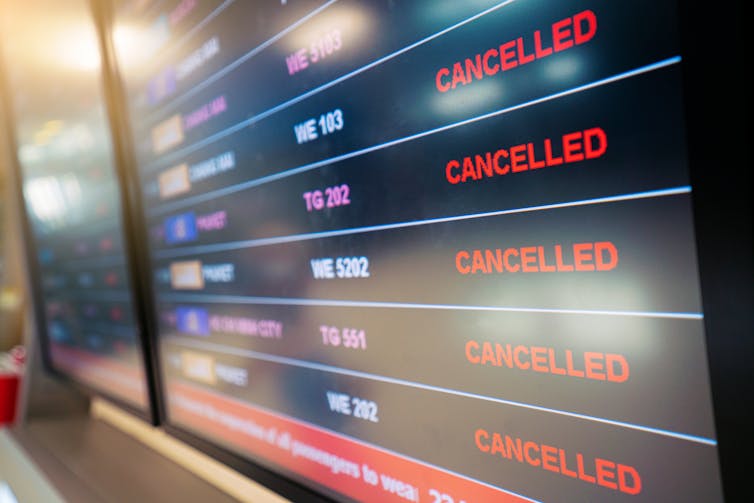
(351, 23)
(477, 95)
(564, 68)
(64, 146)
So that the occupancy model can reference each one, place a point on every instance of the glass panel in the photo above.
(73, 202)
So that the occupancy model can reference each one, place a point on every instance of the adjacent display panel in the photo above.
(76, 250)
(428, 250)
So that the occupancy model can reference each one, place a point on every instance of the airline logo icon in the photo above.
(167, 134)
(82, 248)
(106, 244)
(192, 320)
(174, 181)
(198, 367)
(111, 278)
(180, 228)
(161, 86)
(85, 279)
(116, 313)
(46, 256)
(59, 332)
(90, 310)
(186, 275)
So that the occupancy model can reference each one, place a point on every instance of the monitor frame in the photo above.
(33, 282)
(712, 199)
(723, 269)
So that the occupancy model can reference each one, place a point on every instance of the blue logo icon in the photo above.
(192, 320)
(180, 228)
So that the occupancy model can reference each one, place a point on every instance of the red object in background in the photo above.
(11, 365)
(18, 355)
(9, 382)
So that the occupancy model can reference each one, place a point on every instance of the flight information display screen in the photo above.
(86, 314)
(426, 250)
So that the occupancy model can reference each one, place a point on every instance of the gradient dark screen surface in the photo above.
(436, 251)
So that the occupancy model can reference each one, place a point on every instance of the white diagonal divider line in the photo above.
(263, 115)
(291, 301)
(253, 243)
(294, 362)
(235, 64)
(166, 208)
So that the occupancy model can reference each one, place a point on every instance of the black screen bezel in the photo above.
(722, 208)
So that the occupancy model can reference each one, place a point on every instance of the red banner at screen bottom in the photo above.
(102, 373)
(345, 465)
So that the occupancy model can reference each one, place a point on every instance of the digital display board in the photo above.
(429, 250)
(82, 293)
